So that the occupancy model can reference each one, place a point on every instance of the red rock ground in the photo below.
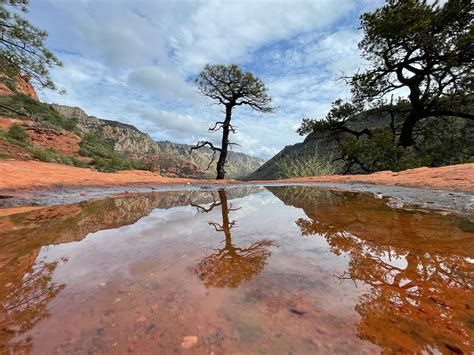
(16, 174)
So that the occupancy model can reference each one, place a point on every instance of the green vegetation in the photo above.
(105, 159)
(53, 156)
(5, 136)
(22, 46)
(4, 155)
(117, 164)
(38, 111)
(17, 133)
(304, 166)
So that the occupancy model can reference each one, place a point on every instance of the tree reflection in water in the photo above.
(24, 299)
(230, 265)
(421, 281)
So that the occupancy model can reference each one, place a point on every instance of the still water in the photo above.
(277, 270)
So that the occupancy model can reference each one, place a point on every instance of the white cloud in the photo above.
(166, 84)
(135, 61)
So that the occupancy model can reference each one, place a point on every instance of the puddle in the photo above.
(276, 270)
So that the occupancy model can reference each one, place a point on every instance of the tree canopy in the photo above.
(411, 104)
(230, 86)
(426, 49)
(22, 45)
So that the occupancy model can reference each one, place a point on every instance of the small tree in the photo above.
(424, 49)
(22, 47)
(230, 87)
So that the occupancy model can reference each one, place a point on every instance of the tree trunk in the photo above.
(225, 143)
(406, 135)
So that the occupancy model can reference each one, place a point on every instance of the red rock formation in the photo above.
(23, 86)
(64, 142)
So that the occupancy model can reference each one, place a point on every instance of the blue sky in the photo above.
(135, 61)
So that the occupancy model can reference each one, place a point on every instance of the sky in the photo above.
(136, 61)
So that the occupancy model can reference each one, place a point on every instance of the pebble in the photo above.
(189, 341)
(297, 310)
(141, 319)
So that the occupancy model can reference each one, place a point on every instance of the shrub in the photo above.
(117, 164)
(379, 152)
(18, 133)
(4, 155)
(310, 165)
(51, 155)
(92, 146)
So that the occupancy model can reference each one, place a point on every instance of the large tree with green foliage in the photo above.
(418, 51)
(423, 49)
(420, 55)
(229, 86)
(22, 45)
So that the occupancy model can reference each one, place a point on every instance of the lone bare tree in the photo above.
(230, 87)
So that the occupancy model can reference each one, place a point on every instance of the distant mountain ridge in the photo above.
(171, 159)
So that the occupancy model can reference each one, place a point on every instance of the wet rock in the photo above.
(394, 202)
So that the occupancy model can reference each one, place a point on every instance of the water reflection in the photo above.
(351, 275)
(230, 265)
(26, 285)
(24, 297)
(421, 284)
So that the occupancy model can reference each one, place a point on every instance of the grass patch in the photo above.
(53, 156)
(310, 165)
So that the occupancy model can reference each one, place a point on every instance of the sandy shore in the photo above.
(23, 175)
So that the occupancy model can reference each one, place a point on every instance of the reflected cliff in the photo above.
(230, 265)
(417, 266)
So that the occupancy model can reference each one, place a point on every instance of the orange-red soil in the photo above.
(15, 174)
(453, 177)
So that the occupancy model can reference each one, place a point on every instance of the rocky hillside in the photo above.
(171, 159)
(30, 129)
(326, 147)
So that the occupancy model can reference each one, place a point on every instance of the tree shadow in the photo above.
(231, 265)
